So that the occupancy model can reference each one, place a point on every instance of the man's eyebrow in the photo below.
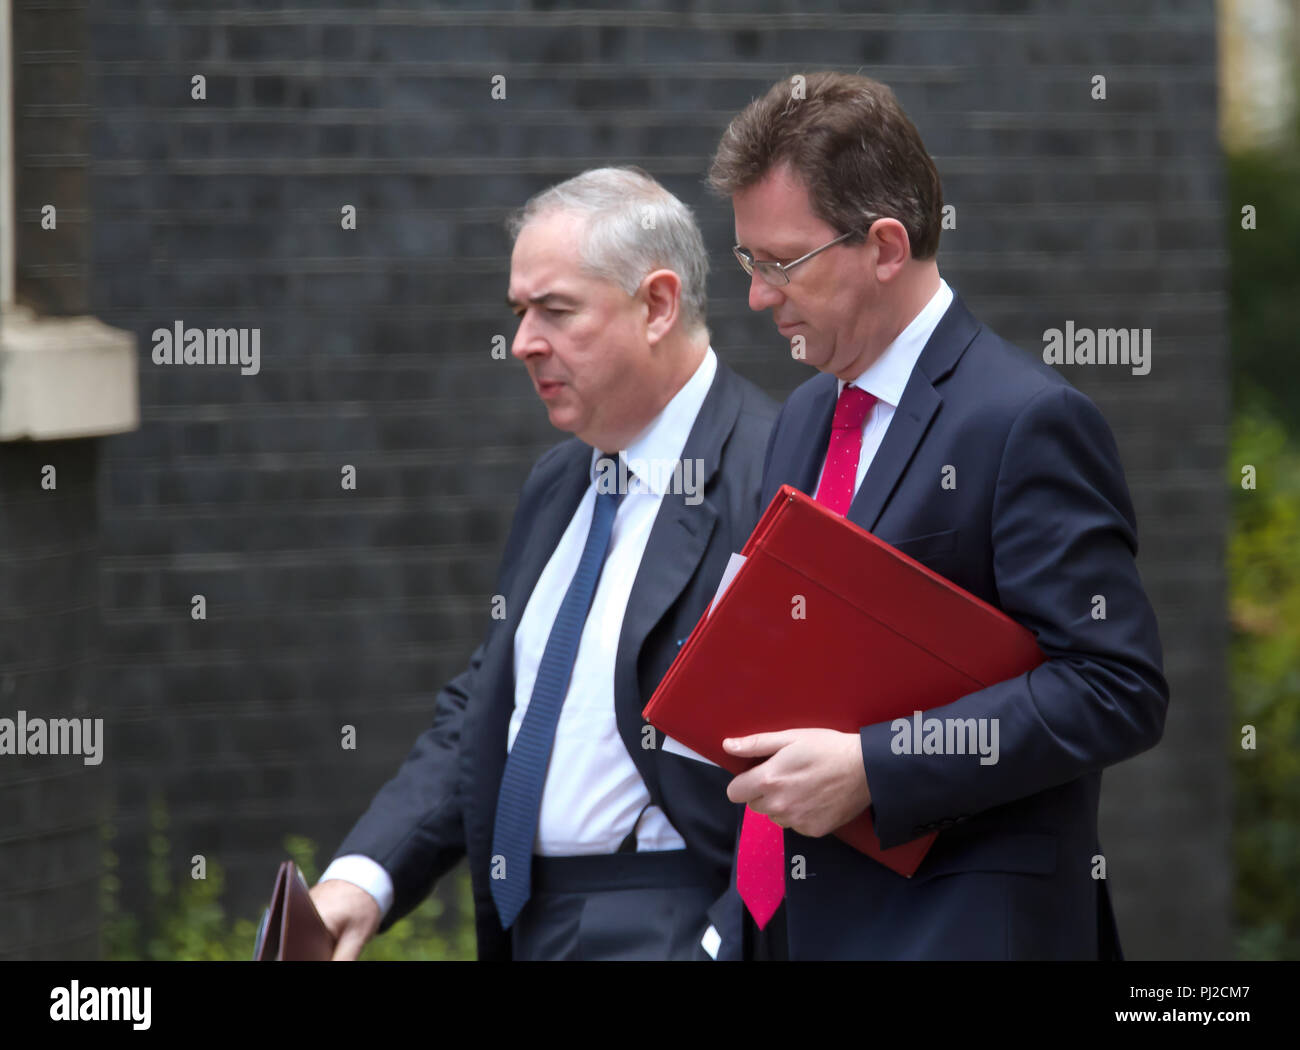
(544, 299)
(767, 251)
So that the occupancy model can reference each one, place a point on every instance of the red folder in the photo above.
(881, 637)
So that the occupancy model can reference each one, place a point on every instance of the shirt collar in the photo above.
(886, 377)
(653, 452)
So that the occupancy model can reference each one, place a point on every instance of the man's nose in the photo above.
(763, 295)
(527, 341)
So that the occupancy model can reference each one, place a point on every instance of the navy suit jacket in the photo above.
(1036, 520)
(441, 804)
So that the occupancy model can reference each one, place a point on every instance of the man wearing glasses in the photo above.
(927, 429)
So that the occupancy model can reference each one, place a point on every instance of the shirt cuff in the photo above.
(366, 873)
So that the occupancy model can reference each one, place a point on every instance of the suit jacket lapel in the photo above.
(916, 409)
(673, 553)
(808, 455)
(552, 518)
(489, 720)
(911, 419)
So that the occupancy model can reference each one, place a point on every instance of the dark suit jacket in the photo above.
(441, 804)
(1039, 521)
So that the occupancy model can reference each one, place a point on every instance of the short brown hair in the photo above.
(851, 145)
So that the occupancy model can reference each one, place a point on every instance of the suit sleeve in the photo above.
(1064, 536)
(414, 827)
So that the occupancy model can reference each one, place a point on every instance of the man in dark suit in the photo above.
(589, 835)
(987, 466)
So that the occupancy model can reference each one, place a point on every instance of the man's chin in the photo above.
(814, 356)
(561, 418)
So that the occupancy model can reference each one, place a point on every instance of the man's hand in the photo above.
(813, 783)
(350, 913)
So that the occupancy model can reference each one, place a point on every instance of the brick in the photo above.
(326, 605)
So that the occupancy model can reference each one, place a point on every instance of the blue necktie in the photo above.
(520, 796)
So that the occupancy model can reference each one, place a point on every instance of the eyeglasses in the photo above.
(778, 273)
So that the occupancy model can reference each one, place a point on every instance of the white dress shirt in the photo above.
(887, 376)
(593, 791)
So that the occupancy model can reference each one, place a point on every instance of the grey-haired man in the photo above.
(589, 835)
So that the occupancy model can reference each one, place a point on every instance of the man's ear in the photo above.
(893, 249)
(661, 291)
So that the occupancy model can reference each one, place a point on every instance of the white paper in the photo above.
(729, 574)
(711, 942)
(676, 747)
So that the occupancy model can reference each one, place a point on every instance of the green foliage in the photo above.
(1264, 567)
(1264, 281)
(191, 924)
(1264, 543)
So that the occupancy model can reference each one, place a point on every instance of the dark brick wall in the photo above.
(50, 842)
(50, 86)
(50, 805)
(328, 607)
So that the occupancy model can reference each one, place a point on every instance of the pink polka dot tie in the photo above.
(760, 864)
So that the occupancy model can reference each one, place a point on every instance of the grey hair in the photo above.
(633, 226)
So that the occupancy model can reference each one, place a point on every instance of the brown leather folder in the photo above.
(292, 929)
